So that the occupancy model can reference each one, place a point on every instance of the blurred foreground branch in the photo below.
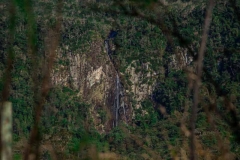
(32, 148)
(6, 107)
(6, 127)
(197, 82)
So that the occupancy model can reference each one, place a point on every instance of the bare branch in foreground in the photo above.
(32, 148)
(197, 82)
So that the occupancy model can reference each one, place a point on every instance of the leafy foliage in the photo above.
(139, 42)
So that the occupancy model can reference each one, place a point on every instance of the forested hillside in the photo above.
(111, 79)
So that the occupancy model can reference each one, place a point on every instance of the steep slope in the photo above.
(132, 97)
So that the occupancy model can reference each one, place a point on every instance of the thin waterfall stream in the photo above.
(118, 100)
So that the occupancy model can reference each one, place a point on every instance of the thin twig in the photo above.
(34, 139)
(199, 69)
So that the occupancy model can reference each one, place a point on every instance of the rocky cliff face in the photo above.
(92, 75)
(180, 59)
(140, 86)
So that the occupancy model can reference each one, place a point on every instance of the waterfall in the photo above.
(118, 100)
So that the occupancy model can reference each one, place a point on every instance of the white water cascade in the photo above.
(119, 105)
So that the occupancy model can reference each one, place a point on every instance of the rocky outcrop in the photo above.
(140, 89)
(92, 75)
(180, 59)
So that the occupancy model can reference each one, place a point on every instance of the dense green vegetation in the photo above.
(160, 127)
